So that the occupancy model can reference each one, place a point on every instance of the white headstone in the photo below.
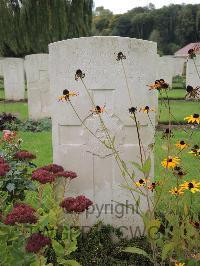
(166, 69)
(179, 63)
(14, 83)
(36, 66)
(193, 72)
(73, 146)
(1, 66)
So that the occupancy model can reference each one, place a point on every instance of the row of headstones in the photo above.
(35, 70)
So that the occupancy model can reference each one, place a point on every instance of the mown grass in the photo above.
(173, 94)
(179, 110)
(20, 109)
(40, 144)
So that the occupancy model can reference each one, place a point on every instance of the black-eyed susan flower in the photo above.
(167, 134)
(191, 53)
(195, 150)
(141, 182)
(179, 264)
(192, 186)
(181, 145)
(192, 92)
(120, 56)
(195, 224)
(195, 118)
(170, 162)
(98, 110)
(158, 85)
(176, 191)
(153, 185)
(132, 110)
(146, 109)
(79, 74)
(67, 94)
(180, 174)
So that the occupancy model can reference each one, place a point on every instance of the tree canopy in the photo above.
(28, 26)
(171, 26)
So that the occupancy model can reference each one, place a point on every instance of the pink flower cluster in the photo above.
(53, 168)
(24, 155)
(48, 173)
(36, 242)
(4, 167)
(21, 213)
(8, 135)
(43, 176)
(78, 204)
(67, 174)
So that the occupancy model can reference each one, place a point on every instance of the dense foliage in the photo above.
(11, 122)
(171, 26)
(28, 26)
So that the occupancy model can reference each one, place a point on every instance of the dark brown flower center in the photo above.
(177, 168)
(180, 173)
(141, 181)
(189, 88)
(169, 160)
(190, 185)
(195, 115)
(65, 92)
(146, 108)
(132, 110)
(182, 142)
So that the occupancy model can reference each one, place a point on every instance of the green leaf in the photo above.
(147, 167)
(10, 187)
(132, 189)
(58, 248)
(167, 248)
(136, 165)
(68, 262)
(138, 251)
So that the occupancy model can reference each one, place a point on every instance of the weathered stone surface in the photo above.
(193, 72)
(1, 66)
(36, 67)
(169, 67)
(73, 145)
(14, 82)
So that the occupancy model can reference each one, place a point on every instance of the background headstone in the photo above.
(193, 72)
(36, 67)
(14, 81)
(73, 146)
(1, 66)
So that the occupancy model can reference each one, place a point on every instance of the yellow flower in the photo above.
(176, 191)
(146, 109)
(179, 264)
(195, 118)
(170, 162)
(192, 186)
(195, 150)
(66, 95)
(141, 182)
(181, 145)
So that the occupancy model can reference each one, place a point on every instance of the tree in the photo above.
(28, 26)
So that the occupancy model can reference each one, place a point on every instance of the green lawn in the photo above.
(179, 110)
(174, 94)
(19, 109)
(40, 144)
